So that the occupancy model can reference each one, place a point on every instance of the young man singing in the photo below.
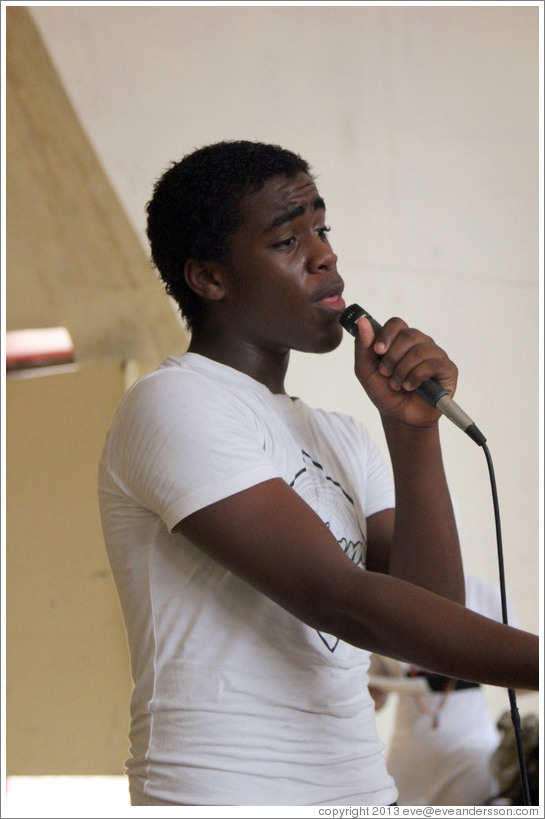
(255, 543)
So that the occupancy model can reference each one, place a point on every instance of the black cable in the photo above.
(515, 717)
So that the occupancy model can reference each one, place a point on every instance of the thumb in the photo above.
(366, 360)
(366, 334)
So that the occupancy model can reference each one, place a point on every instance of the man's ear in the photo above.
(206, 279)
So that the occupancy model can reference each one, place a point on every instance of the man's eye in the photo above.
(286, 242)
(322, 232)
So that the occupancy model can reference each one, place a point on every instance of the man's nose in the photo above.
(321, 256)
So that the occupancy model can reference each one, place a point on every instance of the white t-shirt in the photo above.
(236, 701)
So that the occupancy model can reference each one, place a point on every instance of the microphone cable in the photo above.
(515, 716)
(432, 392)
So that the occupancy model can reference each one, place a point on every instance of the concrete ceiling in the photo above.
(73, 257)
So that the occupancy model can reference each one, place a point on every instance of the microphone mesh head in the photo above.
(349, 318)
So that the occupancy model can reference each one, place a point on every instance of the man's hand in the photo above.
(392, 365)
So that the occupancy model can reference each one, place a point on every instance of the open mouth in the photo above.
(333, 303)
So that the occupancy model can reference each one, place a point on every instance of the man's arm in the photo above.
(420, 543)
(272, 539)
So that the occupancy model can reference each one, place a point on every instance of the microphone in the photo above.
(430, 390)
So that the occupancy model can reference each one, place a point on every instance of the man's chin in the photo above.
(326, 343)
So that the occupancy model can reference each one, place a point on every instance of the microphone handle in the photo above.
(430, 390)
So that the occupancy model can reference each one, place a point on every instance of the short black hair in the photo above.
(196, 207)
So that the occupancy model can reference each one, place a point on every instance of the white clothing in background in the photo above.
(449, 764)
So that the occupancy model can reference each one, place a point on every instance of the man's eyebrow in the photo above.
(317, 204)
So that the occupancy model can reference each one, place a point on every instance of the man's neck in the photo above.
(267, 367)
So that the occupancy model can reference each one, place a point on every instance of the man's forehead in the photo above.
(281, 196)
(284, 189)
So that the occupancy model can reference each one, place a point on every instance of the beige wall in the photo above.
(67, 678)
(73, 260)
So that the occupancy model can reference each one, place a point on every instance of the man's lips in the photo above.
(330, 298)
(334, 303)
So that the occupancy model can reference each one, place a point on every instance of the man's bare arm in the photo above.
(272, 539)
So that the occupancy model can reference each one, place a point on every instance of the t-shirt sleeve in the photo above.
(177, 446)
(379, 484)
